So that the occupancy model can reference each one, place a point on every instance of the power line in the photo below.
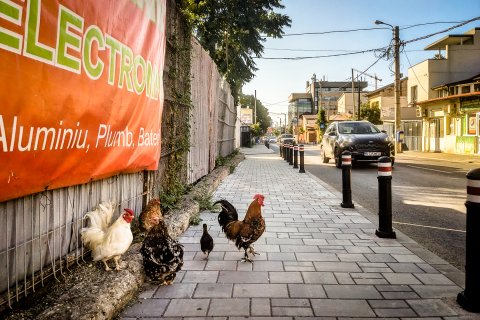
(332, 31)
(429, 23)
(321, 56)
(443, 31)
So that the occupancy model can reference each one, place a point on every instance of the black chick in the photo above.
(206, 242)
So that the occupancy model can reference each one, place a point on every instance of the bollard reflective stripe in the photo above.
(301, 148)
(473, 191)
(384, 169)
(295, 148)
(346, 159)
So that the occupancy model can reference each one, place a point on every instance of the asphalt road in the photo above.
(428, 199)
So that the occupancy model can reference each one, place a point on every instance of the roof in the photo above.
(295, 96)
(453, 39)
(340, 117)
(475, 78)
(390, 85)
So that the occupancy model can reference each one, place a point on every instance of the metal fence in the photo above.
(40, 233)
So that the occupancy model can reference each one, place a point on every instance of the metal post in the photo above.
(301, 150)
(469, 299)
(385, 199)
(346, 183)
(290, 159)
(282, 150)
(295, 156)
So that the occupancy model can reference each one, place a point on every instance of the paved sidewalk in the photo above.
(317, 260)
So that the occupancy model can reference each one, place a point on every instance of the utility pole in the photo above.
(398, 119)
(353, 94)
(396, 84)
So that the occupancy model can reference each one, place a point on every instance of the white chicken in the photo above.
(108, 241)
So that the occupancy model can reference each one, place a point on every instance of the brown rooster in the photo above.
(206, 241)
(162, 255)
(150, 216)
(245, 232)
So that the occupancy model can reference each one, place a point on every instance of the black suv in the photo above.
(362, 138)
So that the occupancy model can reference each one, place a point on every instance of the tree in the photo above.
(232, 32)
(370, 112)
(263, 119)
(321, 122)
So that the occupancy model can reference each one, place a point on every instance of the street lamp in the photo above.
(396, 58)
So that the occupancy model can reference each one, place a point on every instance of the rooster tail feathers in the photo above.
(228, 213)
(99, 220)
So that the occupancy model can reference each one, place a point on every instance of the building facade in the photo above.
(445, 94)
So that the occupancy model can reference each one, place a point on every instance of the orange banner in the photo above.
(81, 91)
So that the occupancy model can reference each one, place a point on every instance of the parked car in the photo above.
(363, 139)
(272, 140)
(286, 138)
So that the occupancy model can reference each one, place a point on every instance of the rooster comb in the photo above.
(258, 195)
(130, 211)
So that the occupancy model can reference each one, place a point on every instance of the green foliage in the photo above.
(370, 112)
(255, 129)
(204, 200)
(195, 219)
(263, 119)
(232, 32)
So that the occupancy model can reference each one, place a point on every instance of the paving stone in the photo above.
(431, 308)
(200, 277)
(385, 304)
(297, 248)
(260, 290)
(351, 257)
(433, 279)
(220, 265)
(214, 290)
(401, 278)
(285, 277)
(306, 291)
(267, 266)
(319, 277)
(405, 267)
(352, 292)
(435, 291)
(389, 313)
(147, 308)
(229, 307)
(407, 258)
(261, 307)
(298, 266)
(243, 277)
(379, 257)
(187, 308)
(291, 311)
(175, 290)
(341, 308)
(337, 266)
(399, 295)
(307, 256)
(281, 256)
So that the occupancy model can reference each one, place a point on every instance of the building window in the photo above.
(466, 89)
(414, 93)
(476, 87)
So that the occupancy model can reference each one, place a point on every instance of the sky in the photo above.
(276, 79)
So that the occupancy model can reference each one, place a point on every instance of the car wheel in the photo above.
(338, 159)
(325, 159)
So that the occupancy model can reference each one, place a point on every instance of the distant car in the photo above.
(272, 140)
(286, 138)
(362, 138)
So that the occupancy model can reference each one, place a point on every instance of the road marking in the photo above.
(431, 227)
(423, 168)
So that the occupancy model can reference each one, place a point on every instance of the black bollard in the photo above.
(295, 156)
(346, 185)
(287, 158)
(301, 150)
(385, 229)
(469, 299)
(280, 147)
(283, 151)
(290, 160)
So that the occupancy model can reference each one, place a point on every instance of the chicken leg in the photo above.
(107, 268)
(117, 264)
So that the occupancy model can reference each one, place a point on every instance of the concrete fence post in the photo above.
(385, 229)
(346, 180)
(469, 299)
